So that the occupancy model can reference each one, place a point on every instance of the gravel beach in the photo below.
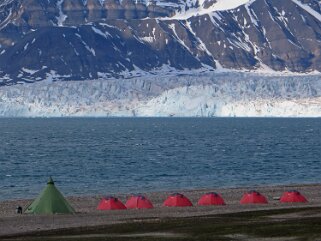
(87, 215)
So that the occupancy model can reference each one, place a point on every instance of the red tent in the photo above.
(211, 198)
(253, 197)
(138, 202)
(293, 197)
(177, 200)
(110, 203)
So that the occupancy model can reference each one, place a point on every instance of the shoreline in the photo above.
(205, 189)
(87, 216)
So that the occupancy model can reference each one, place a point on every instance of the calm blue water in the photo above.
(106, 156)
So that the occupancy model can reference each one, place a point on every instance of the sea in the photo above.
(106, 156)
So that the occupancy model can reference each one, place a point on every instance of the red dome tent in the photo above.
(211, 198)
(253, 197)
(110, 203)
(177, 200)
(138, 202)
(293, 197)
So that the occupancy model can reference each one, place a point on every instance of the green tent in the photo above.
(50, 201)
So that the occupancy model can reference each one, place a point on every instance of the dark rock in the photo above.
(112, 38)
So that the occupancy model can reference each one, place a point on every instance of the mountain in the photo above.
(160, 58)
(108, 39)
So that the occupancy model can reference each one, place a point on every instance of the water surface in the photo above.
(111, 155)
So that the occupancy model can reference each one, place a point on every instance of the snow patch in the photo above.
(29, 71)
(147, 39)
(219, 5)
(308, 9)
(98, 31)
(62, 17)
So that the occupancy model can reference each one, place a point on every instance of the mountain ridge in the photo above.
(83, 40)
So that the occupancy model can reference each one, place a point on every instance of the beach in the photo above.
(86, 216)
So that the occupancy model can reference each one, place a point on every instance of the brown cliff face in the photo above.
(78, 39)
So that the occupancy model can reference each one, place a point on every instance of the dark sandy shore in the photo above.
(88, 216)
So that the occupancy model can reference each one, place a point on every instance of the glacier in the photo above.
(201, 94)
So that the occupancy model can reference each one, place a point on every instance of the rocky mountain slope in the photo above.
(100, 39)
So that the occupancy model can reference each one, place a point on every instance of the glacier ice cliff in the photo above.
(207, 94)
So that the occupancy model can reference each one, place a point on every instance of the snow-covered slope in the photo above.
(207, 94)
(200, 7)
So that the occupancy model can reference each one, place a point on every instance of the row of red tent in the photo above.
(179, 200)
